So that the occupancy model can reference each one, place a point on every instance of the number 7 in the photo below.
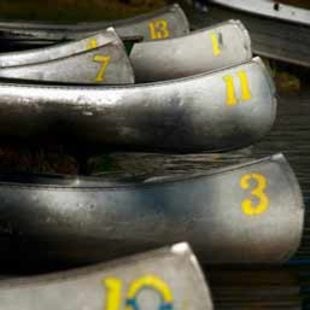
(104, 60)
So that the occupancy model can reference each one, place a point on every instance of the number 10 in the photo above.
(114, 287)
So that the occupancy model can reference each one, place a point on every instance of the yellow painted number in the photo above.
(159, 29)
(258, 203)
(92, 43)
(114, 291)
(215, 44)
(231, 97)
(104, 61)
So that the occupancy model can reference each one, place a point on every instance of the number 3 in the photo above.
(248, 206)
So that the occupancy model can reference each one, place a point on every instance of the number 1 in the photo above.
(114, 289)
(215, 44)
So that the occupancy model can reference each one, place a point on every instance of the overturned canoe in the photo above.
(169, 278)
(252, 211)
(224, 45)
(219, 111)
(166, 23)
(100, 58)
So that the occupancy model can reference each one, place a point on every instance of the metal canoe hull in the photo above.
(251, 213)
(219, 111)
(166, 23)
(100, 59)
(271, 37)
(171, 273)
(224, 45)
(268, 8)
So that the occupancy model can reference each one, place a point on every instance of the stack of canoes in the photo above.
(171, 90)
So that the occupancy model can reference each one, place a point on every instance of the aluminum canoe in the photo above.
(278, 31)
(216, 47)
(215, 111)
(168, 279)
(162, 24)
(100, 58)
(249, 213)
(271, 9)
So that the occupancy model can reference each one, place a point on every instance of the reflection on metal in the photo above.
(219, 111)
(97, 59)
(252, 211)
(166, 23)
(216, 47)
(169, 278)
(270, 9)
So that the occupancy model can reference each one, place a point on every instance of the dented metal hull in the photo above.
(219, 111)
(251, 213)
(166, 23)
(224, 45)
(100, 58)
(169, 278)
